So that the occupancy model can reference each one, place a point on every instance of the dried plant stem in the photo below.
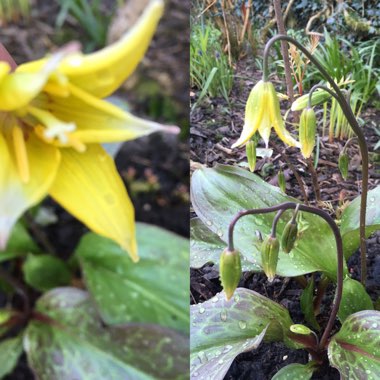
(284, 49)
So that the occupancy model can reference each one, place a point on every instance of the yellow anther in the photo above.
(57, 90)
(75, 143)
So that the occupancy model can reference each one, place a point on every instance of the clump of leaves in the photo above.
(126, 324)
(13, 11)
(210, 72)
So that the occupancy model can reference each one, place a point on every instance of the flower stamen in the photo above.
(54, 130)
(21, 153)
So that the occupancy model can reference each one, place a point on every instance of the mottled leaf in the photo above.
(154, 290)
(221, 329)
(351, 221)
(307, 305)
(75, 344)
(19, 244)
(295, 372)
(45, 272)
(354, 299)
(206, 246)
(219, 193)
(355, 349)
(10, 351)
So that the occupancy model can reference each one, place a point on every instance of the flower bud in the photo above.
(250, 149)
(343, 164)
(308, 125)
(269, 256)
(230, 271)
(281, 181)
(318, 97)
(289, 236)
(300, 329)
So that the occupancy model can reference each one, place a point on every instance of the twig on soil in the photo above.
(223, 148)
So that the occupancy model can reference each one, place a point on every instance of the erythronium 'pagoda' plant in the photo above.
(299, 240)
(117, 320)
(53, 119)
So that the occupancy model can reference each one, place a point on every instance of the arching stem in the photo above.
(339, 247)
(338, 95)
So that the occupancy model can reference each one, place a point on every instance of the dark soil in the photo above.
(215, 126)
(155, 168)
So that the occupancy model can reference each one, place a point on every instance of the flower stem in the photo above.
(19, 288)
(339, 246)
(355, 127)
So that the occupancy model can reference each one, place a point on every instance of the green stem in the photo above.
(355, 127)
(339, 246)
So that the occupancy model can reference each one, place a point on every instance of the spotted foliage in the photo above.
(72, 342)
(220, 330)
(355, 349)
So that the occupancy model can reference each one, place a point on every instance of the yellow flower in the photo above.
(52, 121)
(262, 111)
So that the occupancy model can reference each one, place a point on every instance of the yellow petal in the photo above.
(18, 89)
(254, 113)
(16, 196)
(99, 121)
(265, 128)
(276, 117)
(88, 186)
(102, 72)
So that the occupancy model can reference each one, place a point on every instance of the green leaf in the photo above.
(207, 247)
(307, 306)
(154, 290)
(5, 316)
(45, 272)
(10, 351)
(295, 372)
(354, 299)
(75, 344)
(355, 349)
(20, 244)
(219, 193)
(351, 221)
(220, 330)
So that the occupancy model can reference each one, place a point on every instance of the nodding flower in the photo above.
(53, 120)
(262, 112)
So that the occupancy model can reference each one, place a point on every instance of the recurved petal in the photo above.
(254, 113)
(18, 89)
(276, 117)
(98, 121)
(89, 187)
(16, 196)
(102, 72)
